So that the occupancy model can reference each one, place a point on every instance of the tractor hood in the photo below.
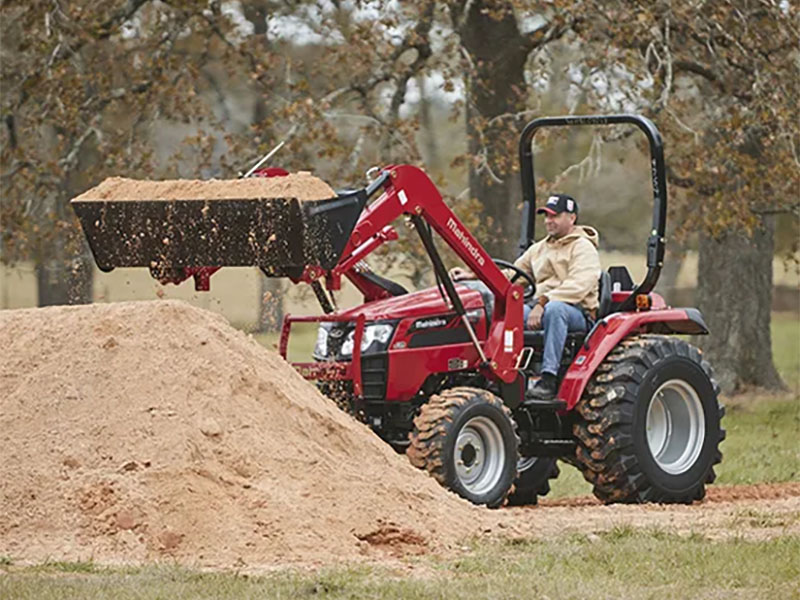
(411, 318)
(423, 303)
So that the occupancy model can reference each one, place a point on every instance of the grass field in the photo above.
(762, 446)
(621, 563)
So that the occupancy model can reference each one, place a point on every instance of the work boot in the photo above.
(544, 389)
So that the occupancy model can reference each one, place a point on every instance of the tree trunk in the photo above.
(668, 279)
(429, 143)
(64, 269)
(63, 280)
(734, 292)
(496, 87)
(270, 305)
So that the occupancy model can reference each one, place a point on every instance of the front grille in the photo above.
(374, 375)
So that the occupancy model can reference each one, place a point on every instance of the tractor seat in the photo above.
(535, 339)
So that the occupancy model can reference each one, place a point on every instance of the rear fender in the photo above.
(609, 332)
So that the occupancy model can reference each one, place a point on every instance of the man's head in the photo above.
(560, 214)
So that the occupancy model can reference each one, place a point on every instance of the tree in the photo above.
(497, 52)
(725, 97)
(83, 86)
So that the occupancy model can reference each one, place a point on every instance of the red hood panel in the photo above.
(416, 304)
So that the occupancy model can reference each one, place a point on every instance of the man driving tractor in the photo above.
(566, 268)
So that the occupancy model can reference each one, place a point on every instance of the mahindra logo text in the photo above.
(468, 245)
(430, 323)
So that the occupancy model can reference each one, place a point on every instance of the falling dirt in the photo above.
(302, 186)
(135, 432)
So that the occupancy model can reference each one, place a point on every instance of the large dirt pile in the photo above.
(134, 431)
(302, 186)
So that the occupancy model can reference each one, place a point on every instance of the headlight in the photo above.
(321, 347)
(379, 333)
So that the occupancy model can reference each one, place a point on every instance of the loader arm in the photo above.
(407, 190)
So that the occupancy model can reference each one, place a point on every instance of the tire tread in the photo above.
(604, 452)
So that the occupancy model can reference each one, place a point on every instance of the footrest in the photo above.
(546, 405)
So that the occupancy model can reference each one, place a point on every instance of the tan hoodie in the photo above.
(565, 269)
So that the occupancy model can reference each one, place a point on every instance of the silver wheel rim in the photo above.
(480, 455)
(523, 464)
(675, 426)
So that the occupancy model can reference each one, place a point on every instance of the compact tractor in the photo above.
(441, 373)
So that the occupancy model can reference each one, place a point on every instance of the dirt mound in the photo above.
(302, 186)
(135, 431)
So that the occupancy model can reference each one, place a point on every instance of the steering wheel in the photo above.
(531, 289)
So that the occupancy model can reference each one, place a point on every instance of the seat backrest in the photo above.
(604, 295)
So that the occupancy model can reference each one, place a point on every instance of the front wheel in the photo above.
(650, 423)
(465, 438)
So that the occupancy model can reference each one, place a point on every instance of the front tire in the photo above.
(650, 428)
(465, 438)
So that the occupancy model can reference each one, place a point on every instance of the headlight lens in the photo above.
(321, 347)
(379, 332)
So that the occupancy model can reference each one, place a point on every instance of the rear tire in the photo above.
(465, 438)
(533, 480)
(650, 428)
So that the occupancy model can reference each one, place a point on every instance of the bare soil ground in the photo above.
(302, 186)
(134, 432)
(758, 511)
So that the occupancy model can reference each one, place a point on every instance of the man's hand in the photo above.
(535, 317)
(460, 274)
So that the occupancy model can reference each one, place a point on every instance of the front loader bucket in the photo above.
(280, 235)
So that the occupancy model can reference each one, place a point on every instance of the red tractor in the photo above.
(441, 373)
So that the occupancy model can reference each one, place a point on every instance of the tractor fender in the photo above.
(611, 330)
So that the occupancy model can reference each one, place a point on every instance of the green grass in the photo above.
(762, 442)
(80, 566)
(763, 429)
(786, 348)
(302, 338)
(621, 563)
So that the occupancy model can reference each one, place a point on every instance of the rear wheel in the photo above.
(465, 438)
(533, 479)
(650, 428)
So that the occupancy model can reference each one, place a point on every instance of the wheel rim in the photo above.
(480, 455)
(675, 426)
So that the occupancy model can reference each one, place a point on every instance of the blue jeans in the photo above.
(559, 319)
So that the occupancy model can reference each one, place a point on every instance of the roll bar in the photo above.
(655, 243)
